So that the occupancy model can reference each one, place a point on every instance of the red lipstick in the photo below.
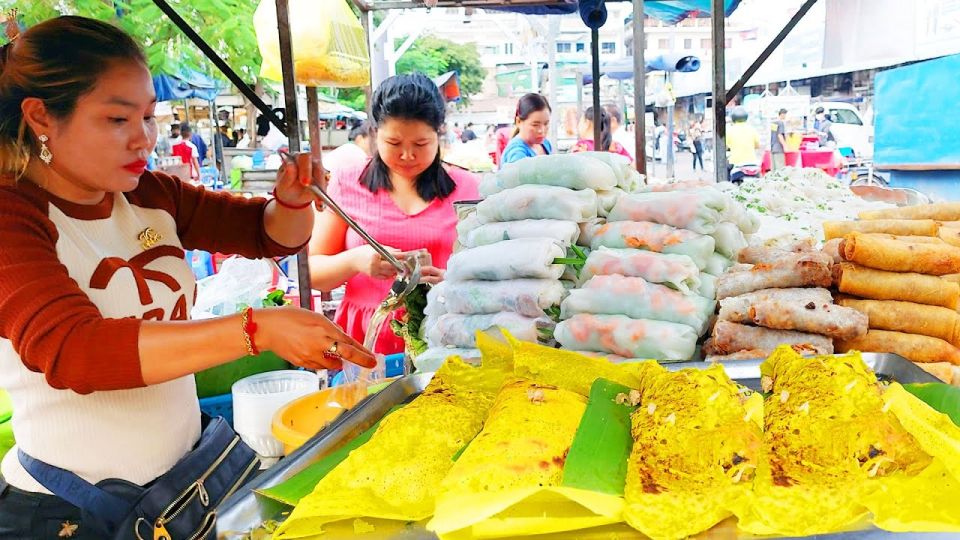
(136, 167)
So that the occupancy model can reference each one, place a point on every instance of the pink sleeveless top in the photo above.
(434, 228)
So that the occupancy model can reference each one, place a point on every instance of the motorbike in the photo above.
(739, 172)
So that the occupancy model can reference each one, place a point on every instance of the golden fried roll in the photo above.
(945, 211)
(823, 318)
(913, 239)
(913, 347)
(908, 317)
(952, 278)
(945, 371)
(909, 287)
(950, 235)
(901, 227)
(895, 256)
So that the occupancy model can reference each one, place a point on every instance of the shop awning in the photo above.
(449, 84)
(186, 84)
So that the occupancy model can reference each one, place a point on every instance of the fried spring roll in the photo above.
(731, 337)
(810, 271)
(901, 227)
(945, 371)
(950, 235)
(945, 211)
(908, 287)
(913, 347)
(824, 318)
(737, 308)
(895, 256)
(908, 317)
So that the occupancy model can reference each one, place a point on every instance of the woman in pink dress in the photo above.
(403, 197)
(607, 144)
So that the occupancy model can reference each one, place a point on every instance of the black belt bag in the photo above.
(180, 505)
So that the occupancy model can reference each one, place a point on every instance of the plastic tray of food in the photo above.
(245, 511)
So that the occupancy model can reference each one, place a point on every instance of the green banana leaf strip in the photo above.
(941, 397)
(597, 460)
(304, 482)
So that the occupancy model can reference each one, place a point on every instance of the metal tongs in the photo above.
(408, 270)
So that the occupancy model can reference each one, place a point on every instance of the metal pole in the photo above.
(224, 68)
(293, 134)
(595, 56)
(640, 86)
(671, 154)
(217, 143)
(719, 91)
(554, 73)
(791, 24)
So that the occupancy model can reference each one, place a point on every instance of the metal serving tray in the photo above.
(245, 510)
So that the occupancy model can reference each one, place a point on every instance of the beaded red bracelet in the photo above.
(288, 205)
(249, 331)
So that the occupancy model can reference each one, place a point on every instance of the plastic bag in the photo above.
(329, 44)
(240, 282)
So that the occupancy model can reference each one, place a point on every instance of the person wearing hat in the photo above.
(821, 124)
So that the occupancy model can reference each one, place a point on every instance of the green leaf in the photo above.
(597, 460)
(303, 483)
(939, 396)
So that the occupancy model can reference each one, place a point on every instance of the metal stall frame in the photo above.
(721, 95)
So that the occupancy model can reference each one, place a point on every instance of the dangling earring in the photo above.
(46, 155)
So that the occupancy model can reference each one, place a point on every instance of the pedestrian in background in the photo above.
(778, 142)
(696, 137)
(531, 125)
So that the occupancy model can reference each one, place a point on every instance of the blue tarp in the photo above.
(912, 125)
(668, 11)
(187, 84)
(622, 69)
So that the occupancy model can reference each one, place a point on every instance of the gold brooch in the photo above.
(149, 238)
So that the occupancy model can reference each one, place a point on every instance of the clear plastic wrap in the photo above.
(511, 259)
(630, 338)
(565, 232)
(571, 171)
(677, 271)
(539, 202)
(528, 297)
(432, 359)
(456, 330)
(650, 236)
(698, 211)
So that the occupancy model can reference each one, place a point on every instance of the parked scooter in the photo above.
(739, 172)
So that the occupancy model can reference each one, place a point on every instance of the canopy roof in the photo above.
(186, 84)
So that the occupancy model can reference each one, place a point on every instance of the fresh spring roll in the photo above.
(431, 359)
(638, 299)
(511, 259)
(729, 239)
(518, 456)
(824, 318)
(731, 337)
(708, 286)
(805, 272)
(908, 317)
(456, 330)
(736, 213)
(628, 178)
(945, 211)
(539, 202)
(630, 338)
(527, 297)
(565, 233)
(677, 271)
(648, 236)
(570, 171)
(697, 211)
(606, 200)
(913, 347)
(900, 227)
(908, 287)
(685, 185)
(419, 442)
(737, 308)
(717, 264)
(892, 255)
(696, 449)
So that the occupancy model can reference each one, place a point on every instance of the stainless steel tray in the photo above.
(245, 510)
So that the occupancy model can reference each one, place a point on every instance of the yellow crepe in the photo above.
(507, 482)
(395, 475)
(697, 443)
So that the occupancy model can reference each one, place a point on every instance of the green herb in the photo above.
(409, 326)
(553, 312)
(275, 299)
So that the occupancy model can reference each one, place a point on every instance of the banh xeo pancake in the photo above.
(896, 256)
(908, 317)
(826, 434)
(697, 443)
(908, 287)
(517, 459)
(395, 475)
(899, 227)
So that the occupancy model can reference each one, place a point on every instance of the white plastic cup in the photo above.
(258, 397)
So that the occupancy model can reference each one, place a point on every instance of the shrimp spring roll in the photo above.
(570, 171)
(528, 297)
(456, 330)
(630, 338)
(648, 236)
(737, 308)
(565, 233)
(677, 271)
(729, 239)
(900, 227)
(824, 318)
(638, 299)
(908, 287)
(913, 347)
(908, 317)
(895, 256)
(808, 271)
(699, 211)
(510, 259)
(606, 200)
(945, 211)
(731, 337)
(539, 202)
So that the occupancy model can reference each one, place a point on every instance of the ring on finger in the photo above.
(333, 349)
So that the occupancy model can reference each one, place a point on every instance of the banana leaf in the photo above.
(303, 483)
(941, 397)
(598, 456)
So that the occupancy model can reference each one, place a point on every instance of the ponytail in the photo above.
(606, 135)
